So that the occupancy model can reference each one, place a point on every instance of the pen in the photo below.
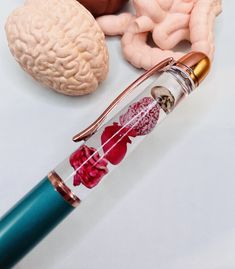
(105, 144)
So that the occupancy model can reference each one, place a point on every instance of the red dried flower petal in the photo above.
(89, 166)
(114, 141)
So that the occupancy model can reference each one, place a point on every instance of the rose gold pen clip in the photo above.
(90, 130)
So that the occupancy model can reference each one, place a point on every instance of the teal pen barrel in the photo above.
(29, 221)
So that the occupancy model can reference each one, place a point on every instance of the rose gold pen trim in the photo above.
(63, 190)
(90, 130)
(196, 64)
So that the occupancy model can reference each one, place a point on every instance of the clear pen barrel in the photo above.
(88, 165)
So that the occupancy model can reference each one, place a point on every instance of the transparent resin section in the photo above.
(93, 160)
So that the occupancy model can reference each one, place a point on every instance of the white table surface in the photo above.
(171, 204)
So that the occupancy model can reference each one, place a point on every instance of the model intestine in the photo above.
(169, 22)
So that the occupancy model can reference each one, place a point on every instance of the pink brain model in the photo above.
(141, 116)
(59, 43)
(169, 22)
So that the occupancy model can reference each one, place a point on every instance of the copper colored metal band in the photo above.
(196, 64)
(63, 190)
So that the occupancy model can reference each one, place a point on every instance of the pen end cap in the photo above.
(198, 63)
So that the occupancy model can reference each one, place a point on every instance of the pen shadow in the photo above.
(62, 241)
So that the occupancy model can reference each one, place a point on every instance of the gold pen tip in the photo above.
(198, 63)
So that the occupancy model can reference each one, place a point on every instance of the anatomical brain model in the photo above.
(59, 43)
(169, 22)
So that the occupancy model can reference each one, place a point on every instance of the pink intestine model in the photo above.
(169, 22)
